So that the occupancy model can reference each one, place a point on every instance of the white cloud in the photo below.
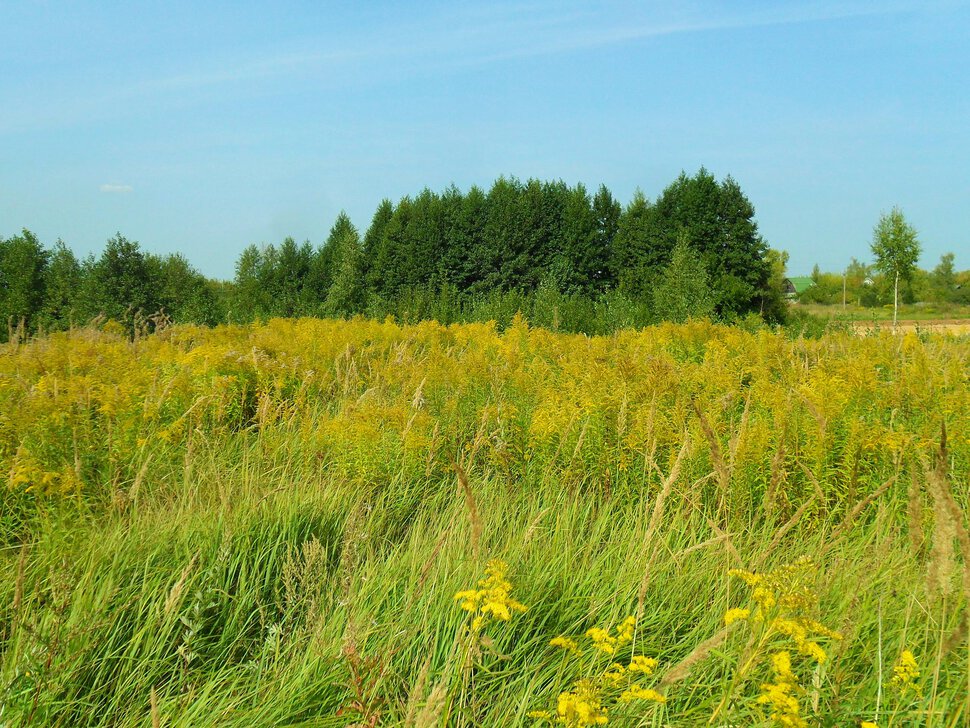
(117, 189)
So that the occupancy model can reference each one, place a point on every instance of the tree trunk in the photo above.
(895, 300)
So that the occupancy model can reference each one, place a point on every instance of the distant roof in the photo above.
(800, 283)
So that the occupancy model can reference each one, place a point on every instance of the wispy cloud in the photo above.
(116, 189)
(442, 42)
(475, 37)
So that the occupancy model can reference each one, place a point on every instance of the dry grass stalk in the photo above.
(717, 456)
(788, 526)
(942, 561)
(656, 515)
(682, 669)
(777, 479)
(728, 543)
(949, 526)
(534, 526)
(416, 694)
(698, 546)
(735, 440)
(18, 587)
(355, 533)
(430, 714)
(139, 479)
(156, 714)
(175, 593)
(846, 525)
(473, 517)
(819, 493)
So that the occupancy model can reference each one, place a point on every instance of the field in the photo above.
(358, 523)
(935, 317)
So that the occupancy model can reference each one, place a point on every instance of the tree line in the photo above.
(563, 256)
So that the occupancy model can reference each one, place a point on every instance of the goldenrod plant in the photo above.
(269, 524)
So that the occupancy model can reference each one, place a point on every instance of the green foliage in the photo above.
(299, 566)
(23, 269)
(683, 290)
(118, 285)
(62, 283)
(347, 295)
(895, 245)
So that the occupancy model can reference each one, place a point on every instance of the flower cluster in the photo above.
(605, 642)
(589, 701)
(781, 694)
(491, 601)
(905, 675)
(783, 602)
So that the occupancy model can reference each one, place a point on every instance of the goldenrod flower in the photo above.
(565, 643)
(780, 694)
(736, 614)
(491, 600)
(602, 640)
(636, 692)
(615, 674)
(905, 674)
(581, 706)
(646, 665)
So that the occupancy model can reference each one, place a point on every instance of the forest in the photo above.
(566, 259)
(519, 246)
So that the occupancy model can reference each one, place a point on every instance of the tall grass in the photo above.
(267, 525)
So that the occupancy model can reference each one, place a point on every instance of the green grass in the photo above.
(252, 582)
(907, 312)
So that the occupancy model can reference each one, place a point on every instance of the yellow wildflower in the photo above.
(646, 665)
(636, 692)
(581, 706)
(780, 694)
(491, 600)
(736, 614)
(565, 643)
(602, 640)
(905, 674)
(624, 632)
(615, 674)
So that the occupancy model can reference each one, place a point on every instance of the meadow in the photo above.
(333, 523)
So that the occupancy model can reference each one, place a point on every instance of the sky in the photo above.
(203, 127)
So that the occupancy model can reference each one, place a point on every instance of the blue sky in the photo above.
(203, 127)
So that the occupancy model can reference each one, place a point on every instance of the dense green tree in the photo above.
(387, 267)
(323, 264)
(23, 265)
(119, 282)
(467, 255)
(683, 290)
(348, 292)
(182, 292)
(774, 305)
(630, 245)
(62, 286)
(421, 264)
(606, 212)
(943, 280)
(719, 221)
(249, 299)
(502, 235)
(896, 248)
(289, 275)
(583, 260)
